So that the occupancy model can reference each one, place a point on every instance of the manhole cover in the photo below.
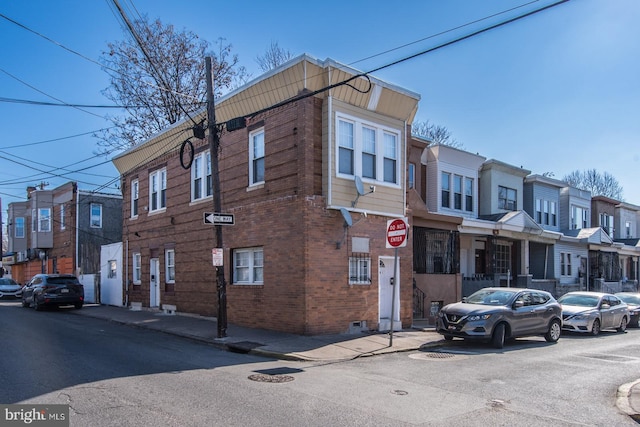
(434, 355)
(263, 378)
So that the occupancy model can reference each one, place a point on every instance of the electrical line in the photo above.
(55, 139)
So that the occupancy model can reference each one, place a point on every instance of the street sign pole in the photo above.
(396, 238)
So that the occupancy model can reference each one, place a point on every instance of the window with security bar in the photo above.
(435, 251)
(360, 269)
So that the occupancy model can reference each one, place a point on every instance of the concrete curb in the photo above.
(623, 399)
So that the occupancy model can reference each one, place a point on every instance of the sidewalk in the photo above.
(280, 345)
(266, 343)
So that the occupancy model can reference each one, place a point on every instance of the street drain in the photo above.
(435, 355)
(263, 378)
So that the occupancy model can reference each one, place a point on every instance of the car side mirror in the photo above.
(605, 307)
(518, 304)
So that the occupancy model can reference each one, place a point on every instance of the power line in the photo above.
(55, 139)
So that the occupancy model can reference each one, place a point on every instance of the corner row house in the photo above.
(311, 185)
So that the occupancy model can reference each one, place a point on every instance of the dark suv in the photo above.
(53, 290)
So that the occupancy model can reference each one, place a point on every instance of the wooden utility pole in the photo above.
(214, 146)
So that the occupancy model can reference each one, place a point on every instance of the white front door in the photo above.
(154, 297)
(385, 292)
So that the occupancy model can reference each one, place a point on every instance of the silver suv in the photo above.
(496, 314)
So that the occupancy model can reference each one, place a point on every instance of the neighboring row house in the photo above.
(516, 229)
(61, 231)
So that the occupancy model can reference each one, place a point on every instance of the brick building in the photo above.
(311, 184)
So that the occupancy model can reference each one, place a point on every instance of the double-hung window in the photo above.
(256, 157)
(135, 195)
(445, 189)
(565, 264)
(137, 272)
(468, 194)
(44, 219)
(96, 215)
(19, 228)
(248, 265)
(507, 198)
(457, 192)
(158, 190)
(170, 266)
(367, 149)
(539, 211)
(390, 157)
(62, 223)
(201, 177)
(360, 270)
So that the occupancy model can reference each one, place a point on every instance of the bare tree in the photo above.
(161, 83)
(599, 184)
(273, 57)
(435, 133)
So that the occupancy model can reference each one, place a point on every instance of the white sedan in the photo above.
(10, 288)
(590, 312)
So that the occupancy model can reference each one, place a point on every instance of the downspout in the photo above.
(77, 263)
(126, 277)
(330, 143)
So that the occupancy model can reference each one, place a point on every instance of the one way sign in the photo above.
(218, 218)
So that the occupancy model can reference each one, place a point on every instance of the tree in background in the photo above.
(599, 184)
(435, 133)
(161, 80)
(273, 57)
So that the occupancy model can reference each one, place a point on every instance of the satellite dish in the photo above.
(359, 186)
(348, 221)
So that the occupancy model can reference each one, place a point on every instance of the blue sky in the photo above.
(555, 92)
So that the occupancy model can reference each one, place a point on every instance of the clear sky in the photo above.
(554, 92)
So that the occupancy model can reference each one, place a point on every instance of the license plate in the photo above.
(64, 291)
(452, 328)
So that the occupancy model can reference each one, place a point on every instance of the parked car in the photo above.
(632, 299)
(10, 288)
(53, 290)
(591, 312)
(496, 314)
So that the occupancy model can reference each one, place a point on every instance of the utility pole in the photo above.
(214, 146)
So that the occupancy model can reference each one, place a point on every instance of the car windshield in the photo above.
(579, 300)
(7, 282)
(630, 299)
(490, 297)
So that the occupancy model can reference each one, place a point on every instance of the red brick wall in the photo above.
(306, 288)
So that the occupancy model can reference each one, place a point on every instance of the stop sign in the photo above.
(396, 233)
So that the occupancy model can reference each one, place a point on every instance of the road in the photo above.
(116, 375)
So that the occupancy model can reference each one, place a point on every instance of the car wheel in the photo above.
(623, 324)
(36, 305)
(595, 329)
(497, 340)
(553, 334)
(25, 303)
(448, 337)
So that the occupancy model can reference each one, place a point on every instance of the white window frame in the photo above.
(256, 156)
(19, 226)
(359, 270)
(135, 198)
(251, 273)
(93, 217)
(353, 146)
(158, 190)
(507, 203)
(565, 264)
(468, 194)
(44, 220)
(628, 231)
(201, 184)
(445, 202)
(136, 268)
(170, 266)
(62, 224)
